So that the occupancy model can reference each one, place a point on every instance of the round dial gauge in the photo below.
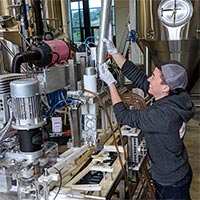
(175, 12)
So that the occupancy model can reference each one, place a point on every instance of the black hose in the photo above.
(16, 63)
(24, 57)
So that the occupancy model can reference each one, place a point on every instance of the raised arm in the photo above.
(112, 50)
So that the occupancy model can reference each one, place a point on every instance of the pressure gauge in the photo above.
(175, 13)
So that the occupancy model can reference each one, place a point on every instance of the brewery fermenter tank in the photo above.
(170, 29)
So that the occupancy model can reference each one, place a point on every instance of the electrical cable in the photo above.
(114, 138)
(60, 185)
(51, 99)
(89, 37)
(4, 130)
(62, 101)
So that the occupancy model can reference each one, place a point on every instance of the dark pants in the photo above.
(177, 191)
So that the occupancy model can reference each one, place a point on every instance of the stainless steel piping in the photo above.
(103, 30)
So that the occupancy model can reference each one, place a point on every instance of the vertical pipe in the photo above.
(73, 75)
(4, 7)
(132, 13)
(24, 24)
(103, 30)
(13, 9)
(133, 19)
(38, 19)
(44, 11)
(147, 61)
(65, 19)
(76, 131)
(24, 15)
(86, 18)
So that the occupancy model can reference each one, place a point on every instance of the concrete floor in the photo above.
(192, 142)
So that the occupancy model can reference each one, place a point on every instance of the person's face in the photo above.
(156, 86)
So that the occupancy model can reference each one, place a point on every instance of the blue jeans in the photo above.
(177, 191)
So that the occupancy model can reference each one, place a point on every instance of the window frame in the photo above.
(87, 29)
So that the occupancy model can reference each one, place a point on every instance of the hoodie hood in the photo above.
(182, 104)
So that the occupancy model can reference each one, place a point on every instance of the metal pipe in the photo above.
(4, 5)
(76, 134)
(133, 13)
(65, 19)
(103, 30)
(24, 14)
(133, 17)
(38, 19)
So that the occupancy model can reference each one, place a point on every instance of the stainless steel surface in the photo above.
(13, 36)
(73, 75)
(149, 27)
(103, 31)
(90, 71)
(170, 29)
(175, 13)
(76, 131)
(54, 13)
(24, 88)
(65, 19)
(4, 7)
(8, 51)
(55, 78)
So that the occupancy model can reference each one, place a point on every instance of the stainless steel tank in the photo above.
(170, 29)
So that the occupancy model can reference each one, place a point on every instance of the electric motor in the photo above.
(51, 52)
(26, 104)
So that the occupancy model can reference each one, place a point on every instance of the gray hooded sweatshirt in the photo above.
(160, 124)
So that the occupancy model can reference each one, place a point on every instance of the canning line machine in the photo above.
(59, 138)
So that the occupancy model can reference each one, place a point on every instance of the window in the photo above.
(84, 23)
(77, 20)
